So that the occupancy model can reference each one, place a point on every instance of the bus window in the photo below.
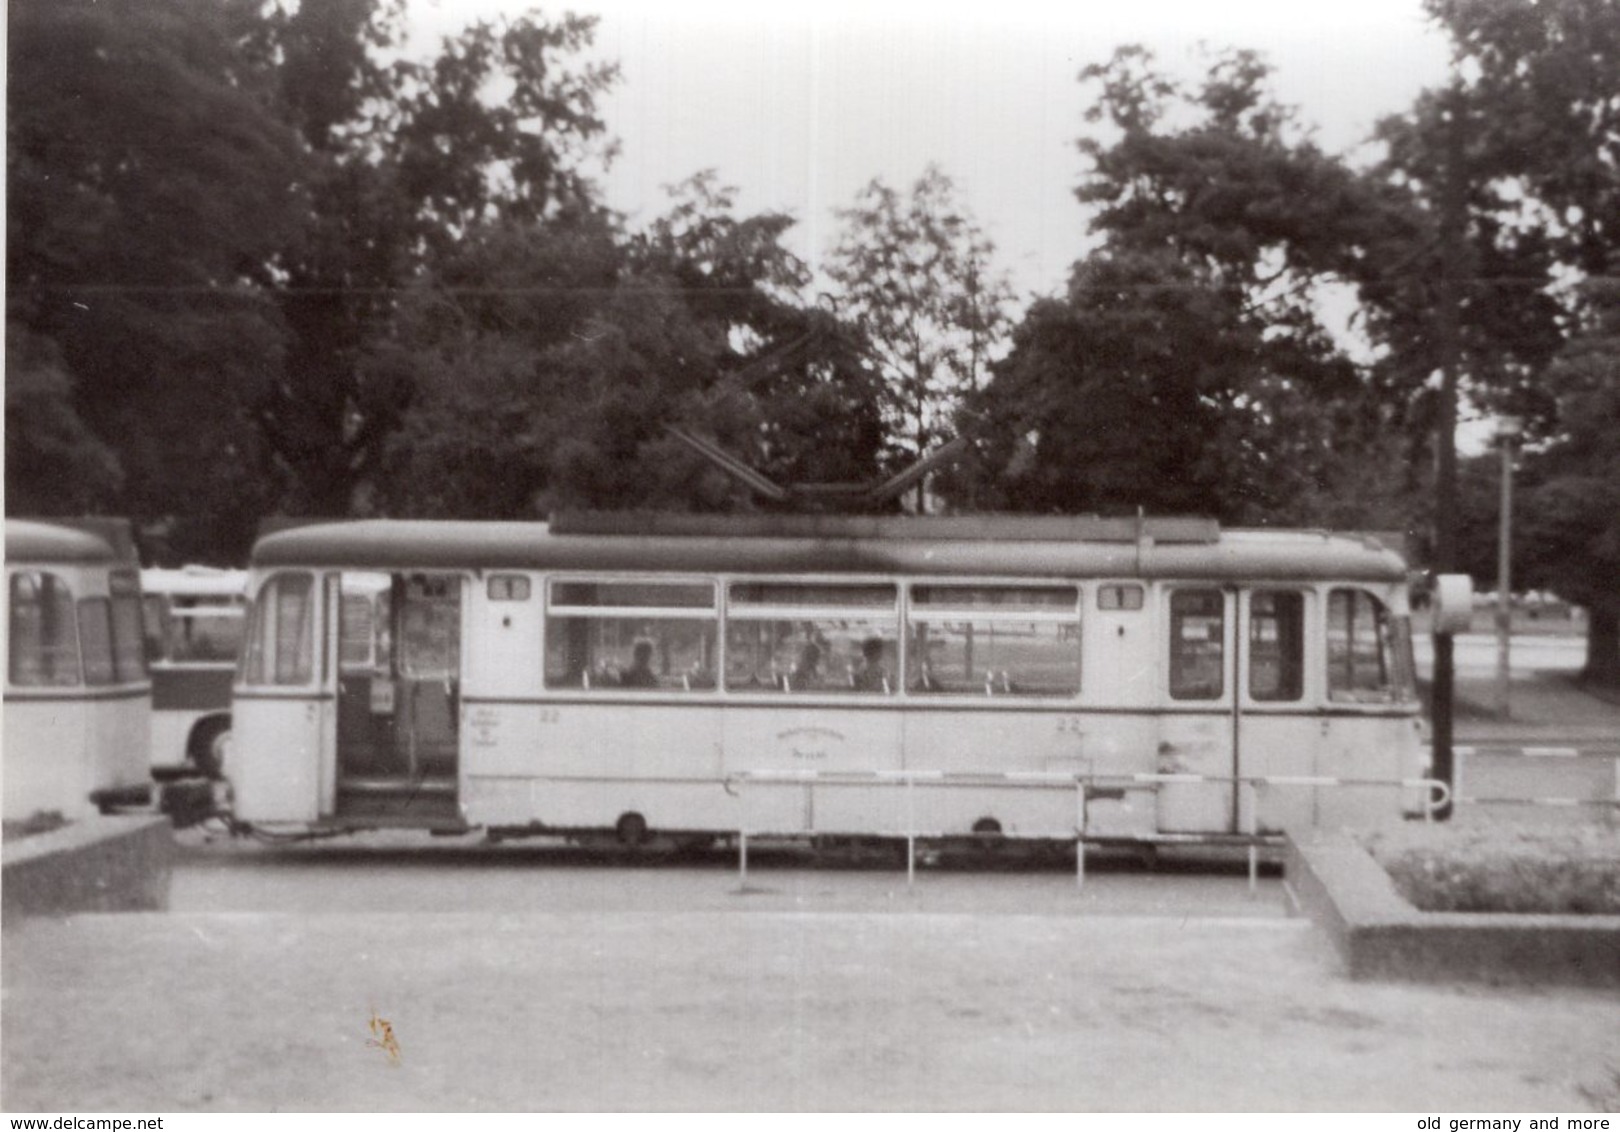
(129, 644)
(95, 640)
(155, 626)
(281, 641)
(814, 637)
(204, 634)
(44, 638)
(995, 640)
(1197, 645)
(1276, 646)
(610, 636)
(1366, 651)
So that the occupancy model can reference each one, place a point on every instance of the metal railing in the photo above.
(1086, 787)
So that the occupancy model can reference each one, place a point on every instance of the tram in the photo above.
(193, 619)
(77, 695)
(700, 676)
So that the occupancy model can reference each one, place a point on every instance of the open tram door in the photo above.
(399, 652)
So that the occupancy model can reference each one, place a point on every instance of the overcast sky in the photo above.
(800, 105)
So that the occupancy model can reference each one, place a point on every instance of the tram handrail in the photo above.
(1083, 782)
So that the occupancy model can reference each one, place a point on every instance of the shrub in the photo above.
(1501, 868)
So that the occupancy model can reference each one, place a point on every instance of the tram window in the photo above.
(96, 640)
(281, 640)
(604, 654)
(1276, 646)
(1119, 597)
(814, 596)
(1197, 645)
(508, 587)
(632, 595)
(995, 656)
(967, 598)
(43, 636)
(1364, 660)
(823, 654)
(651, 636)
(831, 637)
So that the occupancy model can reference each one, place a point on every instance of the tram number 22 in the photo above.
(1070, 725)
(550, 715)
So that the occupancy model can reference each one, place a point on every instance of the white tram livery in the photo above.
(78, 701)
(826, 677)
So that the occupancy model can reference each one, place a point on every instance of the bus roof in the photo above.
(36, 541)
(404, 544)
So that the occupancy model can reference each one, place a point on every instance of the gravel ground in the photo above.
(765, 1010)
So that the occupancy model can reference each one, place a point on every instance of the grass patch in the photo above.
(1447, 868)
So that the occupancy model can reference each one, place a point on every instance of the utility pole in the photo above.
(1452, 204)
(1507, 431)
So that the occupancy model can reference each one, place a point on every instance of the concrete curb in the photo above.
(1334, 880)
(100, 864)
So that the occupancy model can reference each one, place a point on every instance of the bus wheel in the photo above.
(631, 829)
(209, 742)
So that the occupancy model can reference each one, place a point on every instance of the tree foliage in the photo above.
(149, 188)
(916, 278)
(1188, 368)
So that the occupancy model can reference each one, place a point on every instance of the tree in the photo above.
(553, 358)
(916, 279)
(1188, 367)
(409, 159)
(1572, 508)
(149, 186)
(1532, 126)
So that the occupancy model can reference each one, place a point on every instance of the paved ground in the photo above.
(765, 1011)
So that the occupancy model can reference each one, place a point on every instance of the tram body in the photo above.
(684, 678)
(77, 695)
(193, 620)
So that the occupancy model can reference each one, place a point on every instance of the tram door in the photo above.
(399, 695)
(1198, 726)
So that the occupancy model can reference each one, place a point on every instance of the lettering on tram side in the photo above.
(484, 723)
(382, 1037)
(809, 743)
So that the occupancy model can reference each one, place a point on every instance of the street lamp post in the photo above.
(1507, 431)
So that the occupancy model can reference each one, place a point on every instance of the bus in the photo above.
(193, 619)
(823, 677)
(78, 700)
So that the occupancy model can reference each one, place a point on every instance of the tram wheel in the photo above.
(987, 834)
(631, 829)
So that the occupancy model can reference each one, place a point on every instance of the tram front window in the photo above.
(1367, 653)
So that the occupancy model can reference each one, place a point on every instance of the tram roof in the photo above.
(35, 541)
(395, 544)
